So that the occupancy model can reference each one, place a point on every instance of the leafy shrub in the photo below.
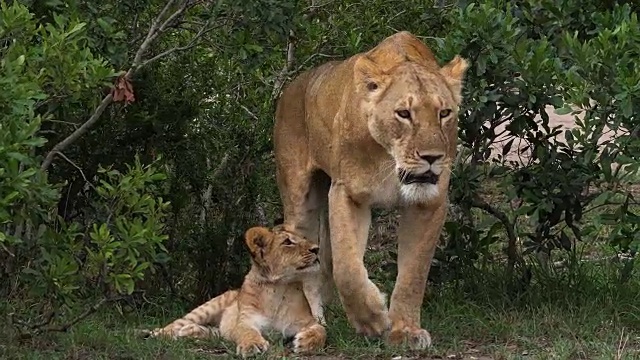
(53, 264)
(519, 72)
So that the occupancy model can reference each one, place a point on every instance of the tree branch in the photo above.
(77, 133)
(85, 314)
(512, 252)
(158, 26)
(282, 75)
(194, 41)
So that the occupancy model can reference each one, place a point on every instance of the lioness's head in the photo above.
(281, 255)
(411, 108)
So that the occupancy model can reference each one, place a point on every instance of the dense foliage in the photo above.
(135, 140)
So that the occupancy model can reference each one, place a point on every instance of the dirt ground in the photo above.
(565, 121)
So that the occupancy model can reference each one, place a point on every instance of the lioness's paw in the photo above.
(370, 318)
(309, 340)
(415, 337)
(252, 347)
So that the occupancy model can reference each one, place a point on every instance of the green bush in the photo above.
(521, 64)
(55, 267)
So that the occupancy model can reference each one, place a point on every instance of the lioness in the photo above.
(271, 296)
(378, 129)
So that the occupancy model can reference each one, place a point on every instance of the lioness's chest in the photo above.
(380, 189)
(385, 194)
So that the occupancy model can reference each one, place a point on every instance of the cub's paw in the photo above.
(252, 347)
(415, 337)
(310, 339)
(367, 312)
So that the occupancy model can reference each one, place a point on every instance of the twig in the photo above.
(512, 252)
(194, 41)
(157, 27)
(89, 311)
(622, 344)
(282, 75)
(47, 320)
(6, 249)
(77, 133)
(77, 167)
(249, 112)
(206, 196)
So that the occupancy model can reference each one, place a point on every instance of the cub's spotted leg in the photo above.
(418, 237)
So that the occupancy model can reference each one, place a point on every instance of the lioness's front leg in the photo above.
(349, 226)
(418, 237)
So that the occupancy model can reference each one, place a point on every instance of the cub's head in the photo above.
(280, 255)
(411, 109)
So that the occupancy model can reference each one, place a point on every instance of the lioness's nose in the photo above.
(315, 249)
(430, 157)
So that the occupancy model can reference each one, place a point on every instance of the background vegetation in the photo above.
(135, 149)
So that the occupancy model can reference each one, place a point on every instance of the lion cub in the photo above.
(271, 297)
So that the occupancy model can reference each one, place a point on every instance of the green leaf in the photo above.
(601, 199)
(563, 110)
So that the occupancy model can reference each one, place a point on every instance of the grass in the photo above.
(577, 313)
(580, 310)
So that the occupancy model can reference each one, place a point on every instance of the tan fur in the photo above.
(342, 143)
(271, 297)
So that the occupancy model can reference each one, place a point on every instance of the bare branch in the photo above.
(512, 251)
(194, 41)
(6, 249)
(254, 116)
(206, 196)
(85, 314)
(77, 133)
(282, 75)
(46, 321)
(77, 167)
(151, 35)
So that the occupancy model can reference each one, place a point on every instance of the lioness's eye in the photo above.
(405, 114)
(444, 113)
(287, 242)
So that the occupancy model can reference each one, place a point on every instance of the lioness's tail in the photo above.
(194, 323)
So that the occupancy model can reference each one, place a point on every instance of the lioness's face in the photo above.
(282, 254)
(412, 112)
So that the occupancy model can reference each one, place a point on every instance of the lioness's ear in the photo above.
(367, 75)
(257, 238)
(454, 72)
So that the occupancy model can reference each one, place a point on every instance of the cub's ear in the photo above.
(454, 73)
(257, 239)
(368, 76)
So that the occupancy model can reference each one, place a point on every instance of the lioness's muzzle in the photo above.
(407, 177)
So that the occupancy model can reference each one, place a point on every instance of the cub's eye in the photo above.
(287, 242)
(405, 114)
(444, 113)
